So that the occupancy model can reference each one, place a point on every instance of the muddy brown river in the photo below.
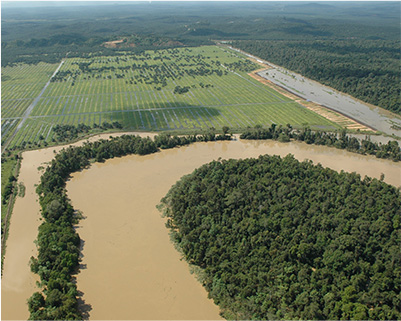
(130, 269)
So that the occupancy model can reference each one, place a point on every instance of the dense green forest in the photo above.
(53, 49)
(365, 69)
(58, 242)
(208, 20)
(282, 239)
(39, 32)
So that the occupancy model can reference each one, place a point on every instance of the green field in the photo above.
(20, 85)
(173, 89)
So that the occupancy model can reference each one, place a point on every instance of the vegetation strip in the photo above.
(58, 242)
(391, 150)
(9, 191)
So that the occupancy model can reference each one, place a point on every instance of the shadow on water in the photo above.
(84, 307)
(82, 266)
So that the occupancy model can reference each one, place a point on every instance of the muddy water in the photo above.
(126, 245)
(131, 270)
(18, 283)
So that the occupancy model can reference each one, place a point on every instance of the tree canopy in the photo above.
(282, 239)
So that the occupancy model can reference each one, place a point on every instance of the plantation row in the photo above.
(185, 61)
(115, 94)
(15, 107)
(38, 129)
(135, 70)
(20, 85)
(176, 89)
(150, 68)
(7, 128)
(145, 98)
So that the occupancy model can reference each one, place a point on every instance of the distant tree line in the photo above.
(58, 242)
(340, 140)
(54, 48)
(78, 31)
(279, 239)
(365, 69)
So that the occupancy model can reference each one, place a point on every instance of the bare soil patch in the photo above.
(113, 44)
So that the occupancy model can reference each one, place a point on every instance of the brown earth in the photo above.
(174, 43)
(113, 44)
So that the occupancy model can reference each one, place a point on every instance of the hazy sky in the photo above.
(47, 3)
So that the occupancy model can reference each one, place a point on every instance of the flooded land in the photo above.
(18, 283)
(127, 257)
(129, 268)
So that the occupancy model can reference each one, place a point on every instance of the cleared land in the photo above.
(319, 109)
(175, 89)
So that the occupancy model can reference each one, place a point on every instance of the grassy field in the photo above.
(175, 89)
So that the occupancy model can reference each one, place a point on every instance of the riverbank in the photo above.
(18, 281)
(119, 198)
